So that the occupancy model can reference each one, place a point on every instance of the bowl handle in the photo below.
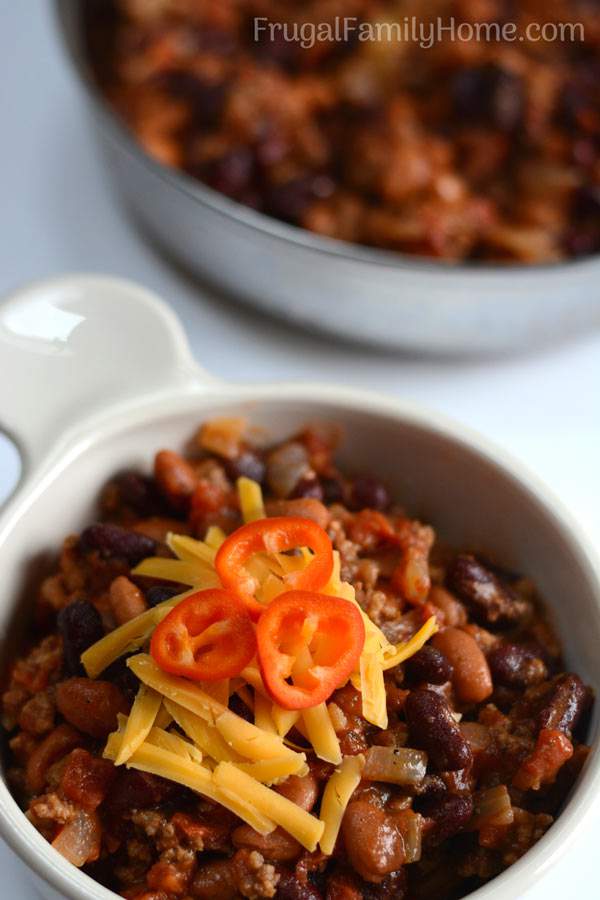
(73, 347)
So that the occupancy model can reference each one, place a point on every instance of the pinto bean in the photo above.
(54, 747)
(278, 846)
(471, 678)
(91, 706)
(303, 791)
(373, 842)
(513, 665)
(175, 477)
(215, 881)
(490, 600)
(432, 728)
(306, 508)
(452, 609)
(126, 600)
(567, 703)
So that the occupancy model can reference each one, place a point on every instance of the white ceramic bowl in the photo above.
(96, 375)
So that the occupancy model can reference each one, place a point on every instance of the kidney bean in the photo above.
(126, 600)
(54, 747)
(568, 701)
(373, 843)
(80, 626)
(232, 173)
(308, 486)
(489, 95)
(433, 729)
(158, 593)
(303, 791)
(175, 477)
(368, 493)
(278, 846)
(206, 98)
(91, 706)
(136, 790)
(137, 492)
(490, 600)
(428, 665)
(247, 465)
(119, 674)
(471, 678)
(333, 490)
(449, 812)
(114, 541)
(215, 881)
(291, 888)
(513, 665)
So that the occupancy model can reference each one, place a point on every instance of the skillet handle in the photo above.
(73, 347)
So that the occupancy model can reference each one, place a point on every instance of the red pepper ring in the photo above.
(308, 645)
(207, 637)
(274, 535)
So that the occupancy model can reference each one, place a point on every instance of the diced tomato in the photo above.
(87, 779)
(552, 750)
(308, 645)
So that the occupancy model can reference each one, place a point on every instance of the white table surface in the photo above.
(58, 214)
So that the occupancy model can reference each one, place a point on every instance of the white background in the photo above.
(58, 214)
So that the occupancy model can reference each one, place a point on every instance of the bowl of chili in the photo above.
(77, 423)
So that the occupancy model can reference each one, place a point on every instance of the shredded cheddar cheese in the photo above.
(336, 797)
(141, 719)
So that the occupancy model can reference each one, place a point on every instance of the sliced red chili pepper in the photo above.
(274, 535)
(207, 637)
(308, 645)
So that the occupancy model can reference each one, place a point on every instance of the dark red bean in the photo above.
(368, 493)
(136, 790)
(490, 600)
(428, 665)
(490, 95)
(80, 626)
(138, 493)
(450, 814)
(114, 541)
(290, 200)
(567, 703)
(433, 729)
(119, 674)
(291, 888)
(247, 465)
(308, 486)
(233, 173)
(333, 490)
(158, 593)
(513, 665)
(206, 98)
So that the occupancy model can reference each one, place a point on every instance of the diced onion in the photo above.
(396, 765)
